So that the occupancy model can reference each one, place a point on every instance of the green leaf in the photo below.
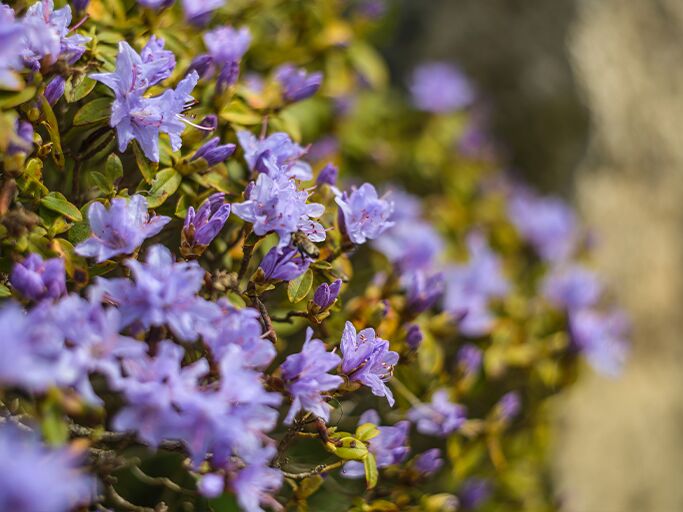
(77, 88)
(113, 169)
(52, 127)
(299, 287)
(102, 182)
(55, 429)
(4, 291)
(78, 232)
(147, 169)
(351, 449)
(165, 183)
(14, 99)
(238, 112)
(56, 202)
(96, 111)
(309, 486)
(224, 503)
(367, 431)
(371, 473)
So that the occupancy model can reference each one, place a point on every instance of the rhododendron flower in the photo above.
(364, 215)
(438, 418)
(120, 229)
(39, 279)
(441, 88)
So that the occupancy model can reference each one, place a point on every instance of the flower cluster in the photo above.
(250, 289)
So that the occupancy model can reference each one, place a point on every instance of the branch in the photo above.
(323, 468)
(159, 480)
(123, 503)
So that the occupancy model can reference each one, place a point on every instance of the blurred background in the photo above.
(587, 98)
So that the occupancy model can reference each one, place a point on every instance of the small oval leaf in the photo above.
(56, 202)
(96, 111)
(165, 183)
(299, 287)
(351, 449)
(371, 472)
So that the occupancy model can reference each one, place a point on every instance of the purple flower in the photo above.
(164, 293)
(410, 245)
(548, 224)
(509, 405)
(281, 149)
(38, 280)
(29, 469)
(80, 5)
(438, 418)
(441, 88)
(469, 359)
(326, 294)
(275, 204)
(572, 288)
(429, 462)
(119, 230)
(285, 263)
(203, 226)
(254, 484)
(364, 215)
(328, 175)
(306, 378)
(46, 35)
(213, 152)
(227, 46)
(423, 290)
(296, 83)
(389, 447)
(55, 90)
(198, 12)
(470, 286)
(22, 142)
(602, 339)
(474, 492)
(241, 327)
(414, 336)
(140, 118)
(211, 485)
(368, 360)
(11, 47)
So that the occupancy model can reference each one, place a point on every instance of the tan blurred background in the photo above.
(588, 96)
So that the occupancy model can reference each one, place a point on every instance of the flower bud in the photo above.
(55, 90)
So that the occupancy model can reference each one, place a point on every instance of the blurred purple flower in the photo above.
(429, 462)
(471, 285)
(29, 468)
(602, 338)
(438, 418)
(410, 245)
(414, 336)
(306, 378)
(119, 230)
(572, 287)
(473, 492)
(198, 12)
(256, 481)
(39, 279)
(368, 360)
(296, 83)
(547, 223)
(157, 63)
(11, 48)
(509, 405)
(211, 485)
(423, 290)
(164, 293)
(441, 88)
(23, 139)
(469, 359)
(227, 46)
(285, 263)
(328, 175)
(364, 216)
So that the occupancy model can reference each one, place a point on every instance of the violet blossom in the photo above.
(121, 229)
(441, 88)
(363, 215)
(410, 245)
(214, 152)
(279, 146)
(254, 484)
(572, 287)
(389, 447)
(226, 47)
(438, 418)
(55, 90)
(211, 485)
(471, 285)
(11, 46)
(368, 360)
(326, 294)
(37, 478)
(22, 139)
(509, 406)
(429, 462)
(328, 175)
(275, 204)
(414, 336)
(38, 279)
(602, 338)
(423, 290)
(306, 378)
(202, 226)
(469, 359)
(284, 264)
(164, 293)
(296, 83)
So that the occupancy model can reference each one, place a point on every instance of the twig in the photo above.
(122, 502)
(287, 319)
(323, 468)
(159, 480)
(267, 323)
